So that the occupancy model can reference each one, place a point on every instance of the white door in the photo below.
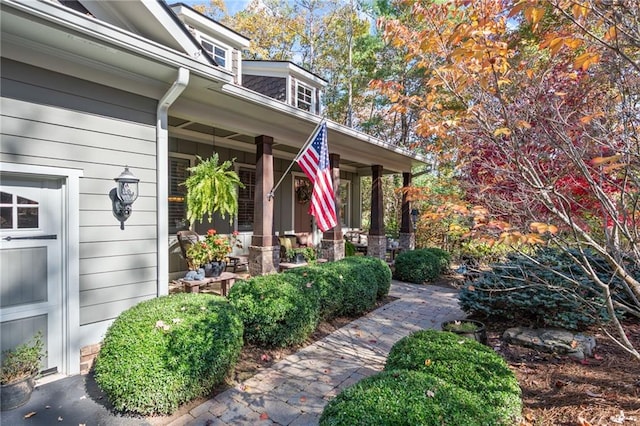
(31, 267)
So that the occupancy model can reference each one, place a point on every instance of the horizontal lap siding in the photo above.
(49, 119)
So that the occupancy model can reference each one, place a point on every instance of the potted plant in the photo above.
(212, 188)
(212, 253)
(19, 369)
(301, 254)
(468, 328)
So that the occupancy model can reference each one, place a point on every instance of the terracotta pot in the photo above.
(16, 394)
(478, 334)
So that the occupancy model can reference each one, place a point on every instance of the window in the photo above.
(345, 204)
(246, 198)
(178, 173)
(17, 212)
(304, 97)
(218, 53)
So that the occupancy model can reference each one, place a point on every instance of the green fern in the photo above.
(212, 188)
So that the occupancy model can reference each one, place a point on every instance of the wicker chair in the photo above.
(186, 239)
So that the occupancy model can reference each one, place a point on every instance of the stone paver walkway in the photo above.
(295, 390)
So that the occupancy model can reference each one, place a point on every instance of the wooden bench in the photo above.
(240, 261)
(226, 280)
(286, 265)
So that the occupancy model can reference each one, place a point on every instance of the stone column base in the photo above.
(407, 241)
(264, 260)
(377, 246)
(332, 250)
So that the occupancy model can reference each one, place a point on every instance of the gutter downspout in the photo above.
(162, 173)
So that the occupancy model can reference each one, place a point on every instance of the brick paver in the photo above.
(295, 390)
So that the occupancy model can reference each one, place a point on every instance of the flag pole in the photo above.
(270, 195)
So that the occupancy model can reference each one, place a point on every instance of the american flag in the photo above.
(314, 161)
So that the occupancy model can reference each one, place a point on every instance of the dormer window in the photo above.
(304, 97)
(217, 52)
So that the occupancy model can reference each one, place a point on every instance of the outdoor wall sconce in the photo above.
(414, 218)
(123, 196)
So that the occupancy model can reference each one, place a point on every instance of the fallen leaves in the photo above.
(30, 414)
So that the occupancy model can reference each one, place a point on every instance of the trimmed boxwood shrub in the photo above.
(277, 310)
(403, 397)
(462, 362)
(444, 258)
(528, 291)
(167, 351)
(417, 266)
(374, 269)
(326, 282)
(359, 290)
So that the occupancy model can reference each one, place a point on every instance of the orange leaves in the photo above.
(502, 131)
(598, 161)
(542, 228)
(534, 15)
(585, 60)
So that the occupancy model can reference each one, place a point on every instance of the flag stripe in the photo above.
(314, 162)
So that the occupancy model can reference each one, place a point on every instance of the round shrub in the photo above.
(417, 266)
(462, 362)
(277, 310)
(373, 269)
(359, 291)
(167, 351)
(444, 258)
(327, 284)
(403, 397)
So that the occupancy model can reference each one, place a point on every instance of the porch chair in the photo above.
(186, 239)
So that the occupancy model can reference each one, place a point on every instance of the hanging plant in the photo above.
(212, 188)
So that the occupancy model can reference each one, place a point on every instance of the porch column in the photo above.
(377, 241)
(263, 254)
(332, 244)
(407, 235)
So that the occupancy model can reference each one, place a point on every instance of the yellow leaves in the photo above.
(585, 60)
(516, 238)
(579, 11)
(523, 124)
(502, 131)
(534, 15)
(427, 362)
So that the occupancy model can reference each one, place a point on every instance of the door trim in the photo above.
(70, 236)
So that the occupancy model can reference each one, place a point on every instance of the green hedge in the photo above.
(167, 351)
(277, 310)
(422, 265)
(432, 378)
(410, 398)
(327, 283)
(528, 290)
(373, 269)
(359, 291)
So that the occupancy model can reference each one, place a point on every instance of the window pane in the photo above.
(6, 218)
(22, 200)
(27, 217)
(304, 97)
(5, 198)
(177, 208)
(246, 199)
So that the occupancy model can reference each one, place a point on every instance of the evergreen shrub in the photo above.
(326, 283)
(359, 290)
(534, 292)
(373, 269)
(167, 351)
(418, 266)
(277, 310)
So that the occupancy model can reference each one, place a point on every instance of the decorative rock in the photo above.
(576, 346)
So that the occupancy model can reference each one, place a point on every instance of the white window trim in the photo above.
(312, 108)
(70, 256)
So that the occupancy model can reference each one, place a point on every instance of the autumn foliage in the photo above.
(535, 106)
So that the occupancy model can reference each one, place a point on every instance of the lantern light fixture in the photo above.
(123, 196)
(414, 218)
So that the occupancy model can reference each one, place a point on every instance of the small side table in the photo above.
(226, 280)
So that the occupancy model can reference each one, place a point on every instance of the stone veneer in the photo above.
(263, 260)
(377, 246)
(332, 250)
(407, 241)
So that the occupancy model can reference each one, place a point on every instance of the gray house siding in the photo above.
(49, 119)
